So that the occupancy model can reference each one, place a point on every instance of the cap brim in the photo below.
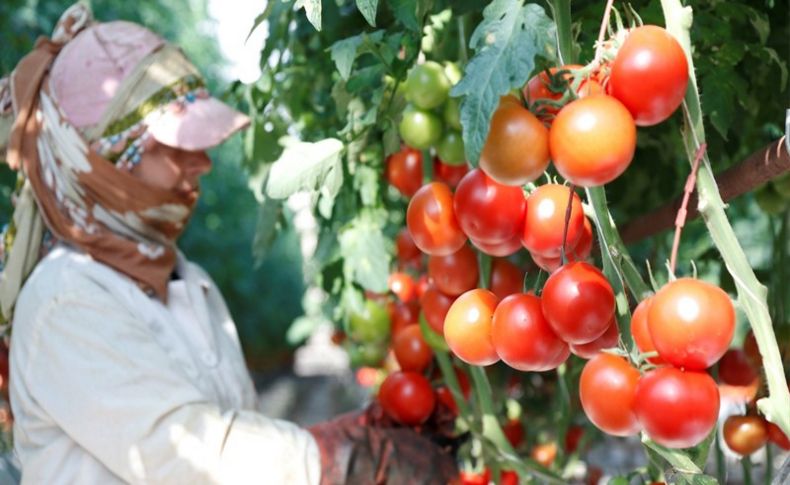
(202, 124)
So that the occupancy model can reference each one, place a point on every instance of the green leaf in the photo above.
(366, 252)
(683, 468)
(343, 52)
(306, 166)
(267, 11)
(506, 43)
(368, 9)
(780, 63)
(718, 102)
(312, 8)
(405, 11)
(366, 182)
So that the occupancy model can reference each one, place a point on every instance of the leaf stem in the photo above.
(680, 219)
(571, 192)
(602, 31)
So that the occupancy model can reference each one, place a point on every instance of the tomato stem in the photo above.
(680, 219)
(746, 463)
(427, 166)
(602, 30)
(571, 191)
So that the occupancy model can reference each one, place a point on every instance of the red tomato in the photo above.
(488, 211)
(410, 349)
(583, 246)
(777, 436)
(408, 252)
(431, 220)
(434, 306)
(691, 323)
(523, 338)
(402, 315)
(517, 148)
(752, 350)
(607, 389)
(404, 170)
(455, 273)
(449, 174)
(467, 327)
(572, 438)
(547, 264)
(403, 286)
(640, 332)
(578, 302)
(745, 434)
(678, 409)
(407, 397)
(649, 75)
(544, 224)
(500, 249)
(608, 340)
(475, 478)
(422, 285)
(508, 477)
(592, 140)
(514, 432)
(736, 369)
(544, 453)
(506, 278)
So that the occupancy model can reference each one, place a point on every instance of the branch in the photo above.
(763, 165)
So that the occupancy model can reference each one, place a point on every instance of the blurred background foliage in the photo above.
(264, 296)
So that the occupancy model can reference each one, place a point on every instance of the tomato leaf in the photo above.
(307, 166)
(366, 252)
(267, 11)
(686, 465)
(505, 43)
(368, 9)
(312, 8)
(405, 11)
(266, 228)
(344, 51)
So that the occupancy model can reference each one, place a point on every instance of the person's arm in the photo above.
(99, 374)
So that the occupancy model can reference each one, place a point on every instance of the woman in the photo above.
(125, 364)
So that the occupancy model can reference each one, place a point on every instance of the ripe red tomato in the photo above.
(640, 332)
(475, 478)
(517, 148)
(408, 252)
(506, 278)
(422, 285)
(488, 211)
(609, 339)
(523, 338)
(736, 369)
(403, 286)
(691, 323)
(404, 170)
(678, 409)
(514, 432)
(467, 327)
(592, 140)
(777, 436)
(745, 434)
(572, 438)
(508, 477)
(544, 224)
(649, 75)
(435, 305)
(607, 389)
(407, 397)
(449, 174)
(403, 314)
(455, 273)
(547, 264)
(578, 302)
(410, 349)
(431, 220)
(500, 249)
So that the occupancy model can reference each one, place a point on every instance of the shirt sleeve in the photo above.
(96, 371)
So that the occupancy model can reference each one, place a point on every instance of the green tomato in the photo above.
(769, 200)
(453, 72)
(451, 148)
(427, 86)
(370, 326)
(366, 354)
(782, 185)
(420, 129)
(452, 113)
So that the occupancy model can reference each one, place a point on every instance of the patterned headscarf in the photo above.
(69, 189)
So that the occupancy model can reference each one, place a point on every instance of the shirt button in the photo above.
(209, 358)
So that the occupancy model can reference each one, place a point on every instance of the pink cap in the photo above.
(91, 69)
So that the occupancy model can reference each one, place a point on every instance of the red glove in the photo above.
(364, 448)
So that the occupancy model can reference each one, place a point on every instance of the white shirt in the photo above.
(109, 385)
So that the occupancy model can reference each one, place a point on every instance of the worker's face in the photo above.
(172, 168)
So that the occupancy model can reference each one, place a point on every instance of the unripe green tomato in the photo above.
(782, 185)
(420, 129)
(451, 148)
(366, 354)
(452, 113)
(370, 326)
(427, 86)
(453, 72)
(769, 200)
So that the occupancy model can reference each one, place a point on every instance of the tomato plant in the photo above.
(467, 327)
(407, 397)
(431, 221)
(506, 278)
(641, 333)
(488, 211)
(427, 86)
(420, 129)
(607, 389)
